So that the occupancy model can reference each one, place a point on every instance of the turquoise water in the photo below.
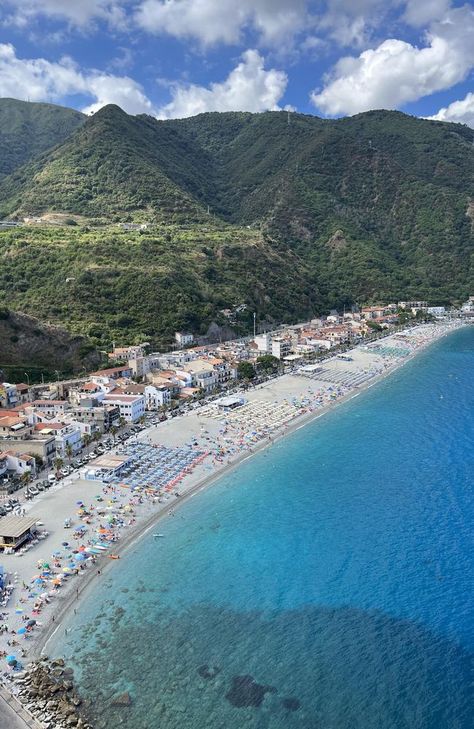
(326, 583)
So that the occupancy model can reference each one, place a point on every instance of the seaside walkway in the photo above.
(13, 715)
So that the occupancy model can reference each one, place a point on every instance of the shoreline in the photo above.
(143, 527)
(75, 591)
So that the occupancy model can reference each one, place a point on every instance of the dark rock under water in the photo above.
(245, 691)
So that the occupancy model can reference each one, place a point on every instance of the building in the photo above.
(264, 343)
(281, 347)
(94, 417)
(12, 426)
(372, 312)
(66, 435)
(413, 305)
(132, 407)
(184, 339)
(16, 530)
(42, 446)
(156, 396)
(16, 463)
(112, 373)
(50, 408)
(126, 353)
(9, 397)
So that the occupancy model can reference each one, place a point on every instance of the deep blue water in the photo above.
(335, 567)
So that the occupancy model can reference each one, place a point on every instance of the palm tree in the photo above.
(122, 422)
(87, 440)
(69, 451)
(58, 464)
(25, 478)
(113, 431)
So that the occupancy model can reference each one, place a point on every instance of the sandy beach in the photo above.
(48, 581)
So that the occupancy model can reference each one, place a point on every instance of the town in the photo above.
(55, 428)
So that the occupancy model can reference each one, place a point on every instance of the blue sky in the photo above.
(174, 58)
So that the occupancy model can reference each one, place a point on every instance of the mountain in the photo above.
(29, 347)
(28, 129)
(287, 213)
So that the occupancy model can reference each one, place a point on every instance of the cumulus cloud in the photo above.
(461, 111)
(221, 21)
(248, 87)
(76, 12)
(37, 79)
(397, 72)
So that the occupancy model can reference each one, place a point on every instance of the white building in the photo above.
(281, 347)
(66, 436)
(157, 396)
(132, 407)
(184, 339)
(264, 343)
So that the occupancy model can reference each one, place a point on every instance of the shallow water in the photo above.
(333, 570)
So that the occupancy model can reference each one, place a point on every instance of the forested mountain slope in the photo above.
(288, 213)
(28, 129)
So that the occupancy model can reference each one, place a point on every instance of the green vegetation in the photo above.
(291, 217)
(246, 371)
(28, 129)
(113, 285)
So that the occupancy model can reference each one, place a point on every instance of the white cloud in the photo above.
(248, 87)
(37, 79)
(397, 72)
(76, 12)
(350, 22)
(423, 12)
(461, 111)
(221, 21)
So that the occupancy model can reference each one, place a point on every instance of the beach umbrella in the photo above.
(79, 557)
(21, 631)
(11, 660)
(65, 544)
(18, 610)
(30, 623)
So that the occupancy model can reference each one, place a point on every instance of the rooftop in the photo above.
(14, 526)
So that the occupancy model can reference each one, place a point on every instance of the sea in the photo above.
(326, 583)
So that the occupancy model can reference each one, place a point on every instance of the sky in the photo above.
(177, 58)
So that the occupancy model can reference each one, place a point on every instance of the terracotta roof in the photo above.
(9, 421)
(50, 426)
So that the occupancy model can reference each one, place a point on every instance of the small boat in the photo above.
(113, 556)
(158, 535)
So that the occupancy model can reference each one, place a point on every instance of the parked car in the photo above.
(3, 511)
(51, 477)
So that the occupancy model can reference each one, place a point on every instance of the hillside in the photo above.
(29, 348)
(109, 168)
(28, 129)
(289, 214)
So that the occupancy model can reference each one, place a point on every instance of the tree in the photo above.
(246, 371)
(113, 430)
(69, 451)
(25, 478)
(268, 363)
(87, 440)
(58, 464)
(122, 421)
